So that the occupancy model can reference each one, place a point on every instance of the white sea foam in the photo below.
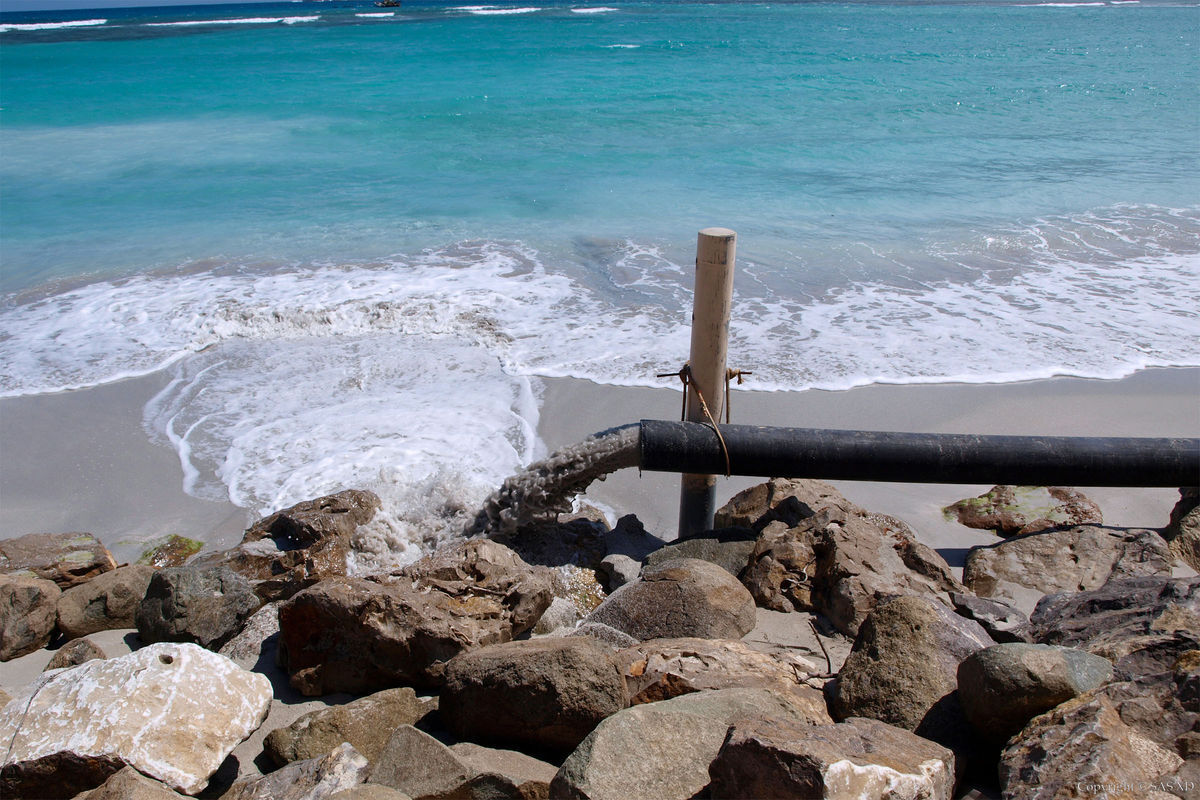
(592, 10)
(239, 21)
(495, 10)
(417, 378)
(622, 46)
(377, 14)
(48, 26)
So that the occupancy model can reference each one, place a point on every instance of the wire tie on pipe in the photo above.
(685, 374)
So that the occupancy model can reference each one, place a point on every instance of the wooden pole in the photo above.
(715, 251)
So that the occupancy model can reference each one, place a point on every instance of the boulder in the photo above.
(1183, 531)
(683, 597)
(604, 633)
(311, 779)
(298, 546)
(545, 694)
(728, 548)
(28, 609)
(859, 758)
(257, 638)
(74, 653)
(1004, 686)
(1126, 739)
(903, 670)
(579, 542)
(370, 791)
(107, 602)
(358, 635)
(629, 537)
(365, 723)
(129, 784)
(1015, 510)
(617, 569)
(169, 551)
(785, 500)
(1021, 570)
(663, 750)
(1003, 622)
(423, 768)
(203, 605)
(1142, 625)
(664, 668)
(67, 559)
(842, 564)
(172, 711)
(562, 615)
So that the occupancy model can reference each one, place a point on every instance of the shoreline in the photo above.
(80, 460)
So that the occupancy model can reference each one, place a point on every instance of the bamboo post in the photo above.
(715, 251)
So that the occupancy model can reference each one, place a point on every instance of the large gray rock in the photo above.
(257, 638)
(1183, 531)
(129, 784)
(784, 500)
(366, 723)
(298, 546)
(311, 779)
(547, 694)
(423, 768)
(683, 597)
(842, 563)
(1003, 622)
(1004, 686)
(1015, 510)
(674, 742)
(860, 758)
(357, 635)
(67, 559)
(1142, 625)
(206, 606)
(107, 602)
(1020, 571)
(173, 711)
(660, 669)
(728, 548)
(1137, 736)
(28, 610)
(903, 670)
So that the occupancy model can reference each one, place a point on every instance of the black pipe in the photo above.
(919, 457)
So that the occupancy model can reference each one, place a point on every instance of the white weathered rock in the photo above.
(172, 711)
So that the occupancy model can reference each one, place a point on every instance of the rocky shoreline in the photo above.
(807, 647)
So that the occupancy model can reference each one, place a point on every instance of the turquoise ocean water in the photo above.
(357, 237)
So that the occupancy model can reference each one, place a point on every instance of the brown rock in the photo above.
(28, 609)
(1014, 510)
(859, 758)
(785, 500)
(1020, 571)
(67, 559)
(663, 750)
(423, 768)
(107, 602)
(903, 670)
(294, 548)
(312, 779)
(842, 564)
(356, 635)
(1004, 686)
(546, 694)
(728, 548)
(1142, 625)
(684, 597)
(1123, 740)
(198, 603)
(74, 653)
(664, 668)
(129, 784)
(366, 723)
(1183, 531)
